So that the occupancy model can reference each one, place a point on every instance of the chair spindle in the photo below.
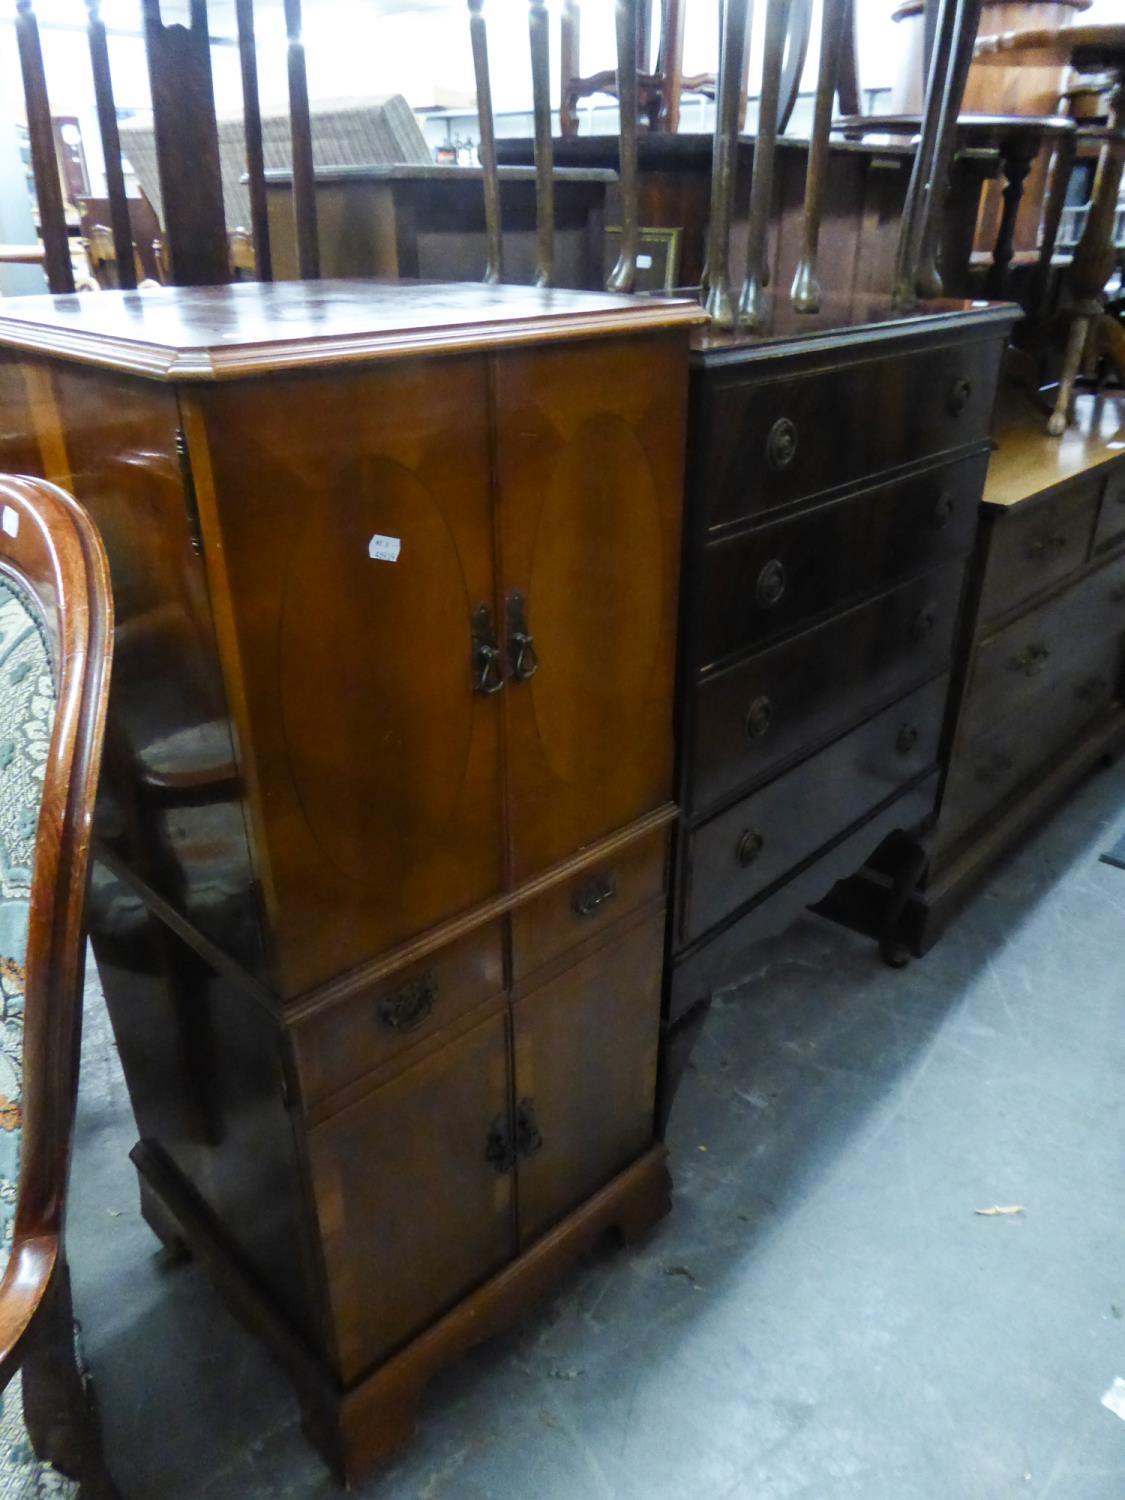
(806, 284)
(624, 273)
(538, 32)
(300, 126)
(48, 189)
(752, 302)
(734, 40)
(570, 35)
(909, 250)
(255, 157)
(478, 33)
(111, 148)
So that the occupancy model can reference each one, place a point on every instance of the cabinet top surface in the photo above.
(847, 320)
(1028, 461)
(256, 328)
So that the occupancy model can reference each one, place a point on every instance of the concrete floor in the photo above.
(823, 1315)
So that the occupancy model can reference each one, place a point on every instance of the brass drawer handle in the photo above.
(488, 675)
(528, 1138)
(781, 445)
(1043, 546)
(759, 717)
(771, 584)
(749, 846)
(409, 1006)
(499, 1151)
(1031, 660)
(589, 898)
(943, 512)
(906, 738)
(521, 643)
(959, 396)
(923, 622)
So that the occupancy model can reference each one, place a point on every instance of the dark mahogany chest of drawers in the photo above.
(833, 489)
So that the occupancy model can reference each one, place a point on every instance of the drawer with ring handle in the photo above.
(1031, 550)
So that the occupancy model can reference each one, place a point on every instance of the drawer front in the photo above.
(766, 443)
(343, 1042)
(1032, 549)
(753, 716)
(1110, 529)
(578, 908)
(771, 579)
(1069, 642)
(746, 849)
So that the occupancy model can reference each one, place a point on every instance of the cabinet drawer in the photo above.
(344, 1041)
(766, 443)
(766, 709)
(579, 908)
(769, 580)
(1031, 549)
(1067, 643)
(737, 855)
(1111, 514)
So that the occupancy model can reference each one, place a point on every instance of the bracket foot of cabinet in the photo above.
(360, 1426)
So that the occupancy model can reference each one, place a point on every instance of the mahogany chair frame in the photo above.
(49, 547)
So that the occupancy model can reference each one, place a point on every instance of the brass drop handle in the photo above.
(771, 584)
(589, 898)
(488, 672)
(521, 643)
(960, 394)
(528, 1137)
(499, 1151)
(759, 717)
(923, 622)
(1043, 546)
(906, 738)
(409, 1006)
(749, 846)
(1031, 660)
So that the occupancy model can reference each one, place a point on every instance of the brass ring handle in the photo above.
(906, 738)
(771, 584)
(943, 512)
(959, 396)
(781, 444)
(488, 672)
(521, 643)
(748, 848)
(759, 717)
(923, 622)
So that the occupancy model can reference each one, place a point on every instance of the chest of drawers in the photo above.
(833, 487)
(1040, 691)
(379, 906)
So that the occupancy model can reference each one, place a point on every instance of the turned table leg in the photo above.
(1018, 156)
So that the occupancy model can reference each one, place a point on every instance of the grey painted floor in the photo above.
(823, 1314)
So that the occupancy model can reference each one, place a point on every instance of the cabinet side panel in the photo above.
(172, 801)
(347, 521)
(590, 445)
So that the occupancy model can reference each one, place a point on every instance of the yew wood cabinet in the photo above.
(380, 900)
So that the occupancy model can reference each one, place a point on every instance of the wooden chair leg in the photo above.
(54, 1396)
(1076, 343)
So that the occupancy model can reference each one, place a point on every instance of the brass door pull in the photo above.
(488, 674)
(521, 643)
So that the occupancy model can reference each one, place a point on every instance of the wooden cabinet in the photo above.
(1042, 695)
(834, 476)
(383, 842)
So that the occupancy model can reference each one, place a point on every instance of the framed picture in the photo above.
(658, 257)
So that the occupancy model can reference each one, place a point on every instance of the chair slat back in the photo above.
(624, 273)
(300, 125)
(255, 157)
(478, 33)
(44, 165)
(539, 37)
(111, 147)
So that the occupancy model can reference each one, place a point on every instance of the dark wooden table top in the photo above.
(252, 328)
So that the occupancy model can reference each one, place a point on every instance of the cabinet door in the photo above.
(590, 461)
(586, 1047)
(413, 1197)
(348, 531)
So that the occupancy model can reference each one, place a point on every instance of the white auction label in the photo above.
(11, 521)
(384, 548)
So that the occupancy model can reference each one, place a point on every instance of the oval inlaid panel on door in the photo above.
(593, 617)
(357, 675)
